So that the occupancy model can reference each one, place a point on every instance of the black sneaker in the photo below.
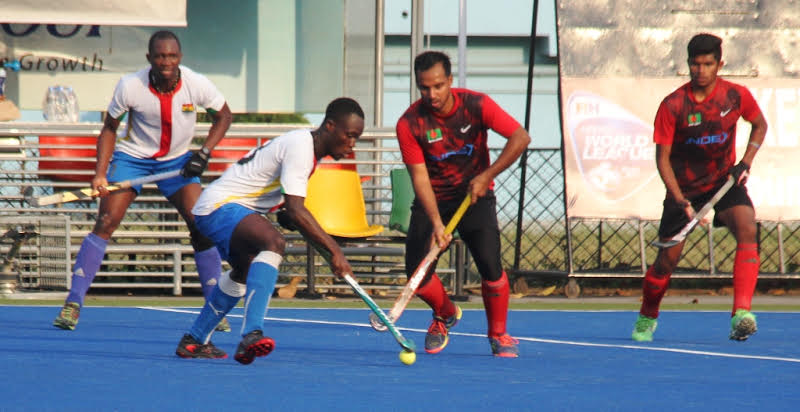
(189, 347)
(253, 345)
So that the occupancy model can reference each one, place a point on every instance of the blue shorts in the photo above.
(219, 225)
(125, 167)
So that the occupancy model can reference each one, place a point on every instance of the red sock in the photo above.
(745, 275)
(495, 300)
(435, 296)
(653, 289)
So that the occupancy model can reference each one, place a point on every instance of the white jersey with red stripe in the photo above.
(261, 177)
(160, 125)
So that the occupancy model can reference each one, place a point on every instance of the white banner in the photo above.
(610, 154)
(97, 12)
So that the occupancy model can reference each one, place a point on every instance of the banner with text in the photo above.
(610, 155)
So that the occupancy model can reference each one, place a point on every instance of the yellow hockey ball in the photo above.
(408, 357)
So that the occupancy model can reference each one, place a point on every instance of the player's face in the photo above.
(434, 86)
(165, 58)
(344, 134)
(703, 69)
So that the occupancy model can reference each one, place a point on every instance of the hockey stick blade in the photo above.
(419, 274)
(407, 344)
(681, 236)
(88, 193)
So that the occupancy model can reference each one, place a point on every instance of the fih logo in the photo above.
(614, 149)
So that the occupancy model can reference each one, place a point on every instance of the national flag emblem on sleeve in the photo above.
(695, 119)
(434, 135)
(187, 107)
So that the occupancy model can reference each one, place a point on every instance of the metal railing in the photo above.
(550, 243)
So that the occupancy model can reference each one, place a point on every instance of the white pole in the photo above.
(462, 43)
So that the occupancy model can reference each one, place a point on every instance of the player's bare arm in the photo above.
(221, 121)
(311, 230)
(424, 192)
(516, 144)
(758, 132)
(105, 148)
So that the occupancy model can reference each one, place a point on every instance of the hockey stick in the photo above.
(697, 217)
(88, 193)
(407, 344)
(413, 282)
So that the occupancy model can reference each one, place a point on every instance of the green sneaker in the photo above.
(644, 328)
(68, 317)
(743, 324)
(223, 326)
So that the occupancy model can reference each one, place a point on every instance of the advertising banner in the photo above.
(610, 155)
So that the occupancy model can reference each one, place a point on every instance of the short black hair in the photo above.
(705, 43)
(341, 107)
(162, 35)
(428, 59)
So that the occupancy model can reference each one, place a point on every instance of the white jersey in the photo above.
(160, 126)
(261, 178)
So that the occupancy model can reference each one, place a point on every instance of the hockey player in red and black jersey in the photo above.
(443, 140)
(695, 136)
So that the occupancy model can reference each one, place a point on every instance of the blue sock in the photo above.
(261, 280)
(88, 261)
(209, 267)
(215, 308)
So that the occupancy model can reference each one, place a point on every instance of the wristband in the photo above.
(754, 144)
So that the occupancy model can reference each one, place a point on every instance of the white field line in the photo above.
(526, 339)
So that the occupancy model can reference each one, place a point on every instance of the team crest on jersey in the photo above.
(695, 119)
(188, 107)
(434, 135)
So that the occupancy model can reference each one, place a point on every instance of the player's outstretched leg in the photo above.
(189, 347)
(223, 298)
(495, 301)
(445, 314)
(88, 261)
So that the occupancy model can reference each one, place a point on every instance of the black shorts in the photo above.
(478, 229)
(674, 218)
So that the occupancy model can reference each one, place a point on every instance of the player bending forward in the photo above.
(230, 212)
(695, 134)
(443, 139)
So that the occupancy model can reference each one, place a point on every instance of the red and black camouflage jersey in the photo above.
(453, 147)
(703, 134)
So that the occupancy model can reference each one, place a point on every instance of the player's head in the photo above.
(342, 126)
(705, 59)
(164, 54)
(434, 79)
(705, 43)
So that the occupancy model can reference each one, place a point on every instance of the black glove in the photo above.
(740, 172)
(284, 220)
(196, 164)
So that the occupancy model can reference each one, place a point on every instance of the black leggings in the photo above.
(478, 229)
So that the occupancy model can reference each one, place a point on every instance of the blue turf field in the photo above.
(123, 359)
